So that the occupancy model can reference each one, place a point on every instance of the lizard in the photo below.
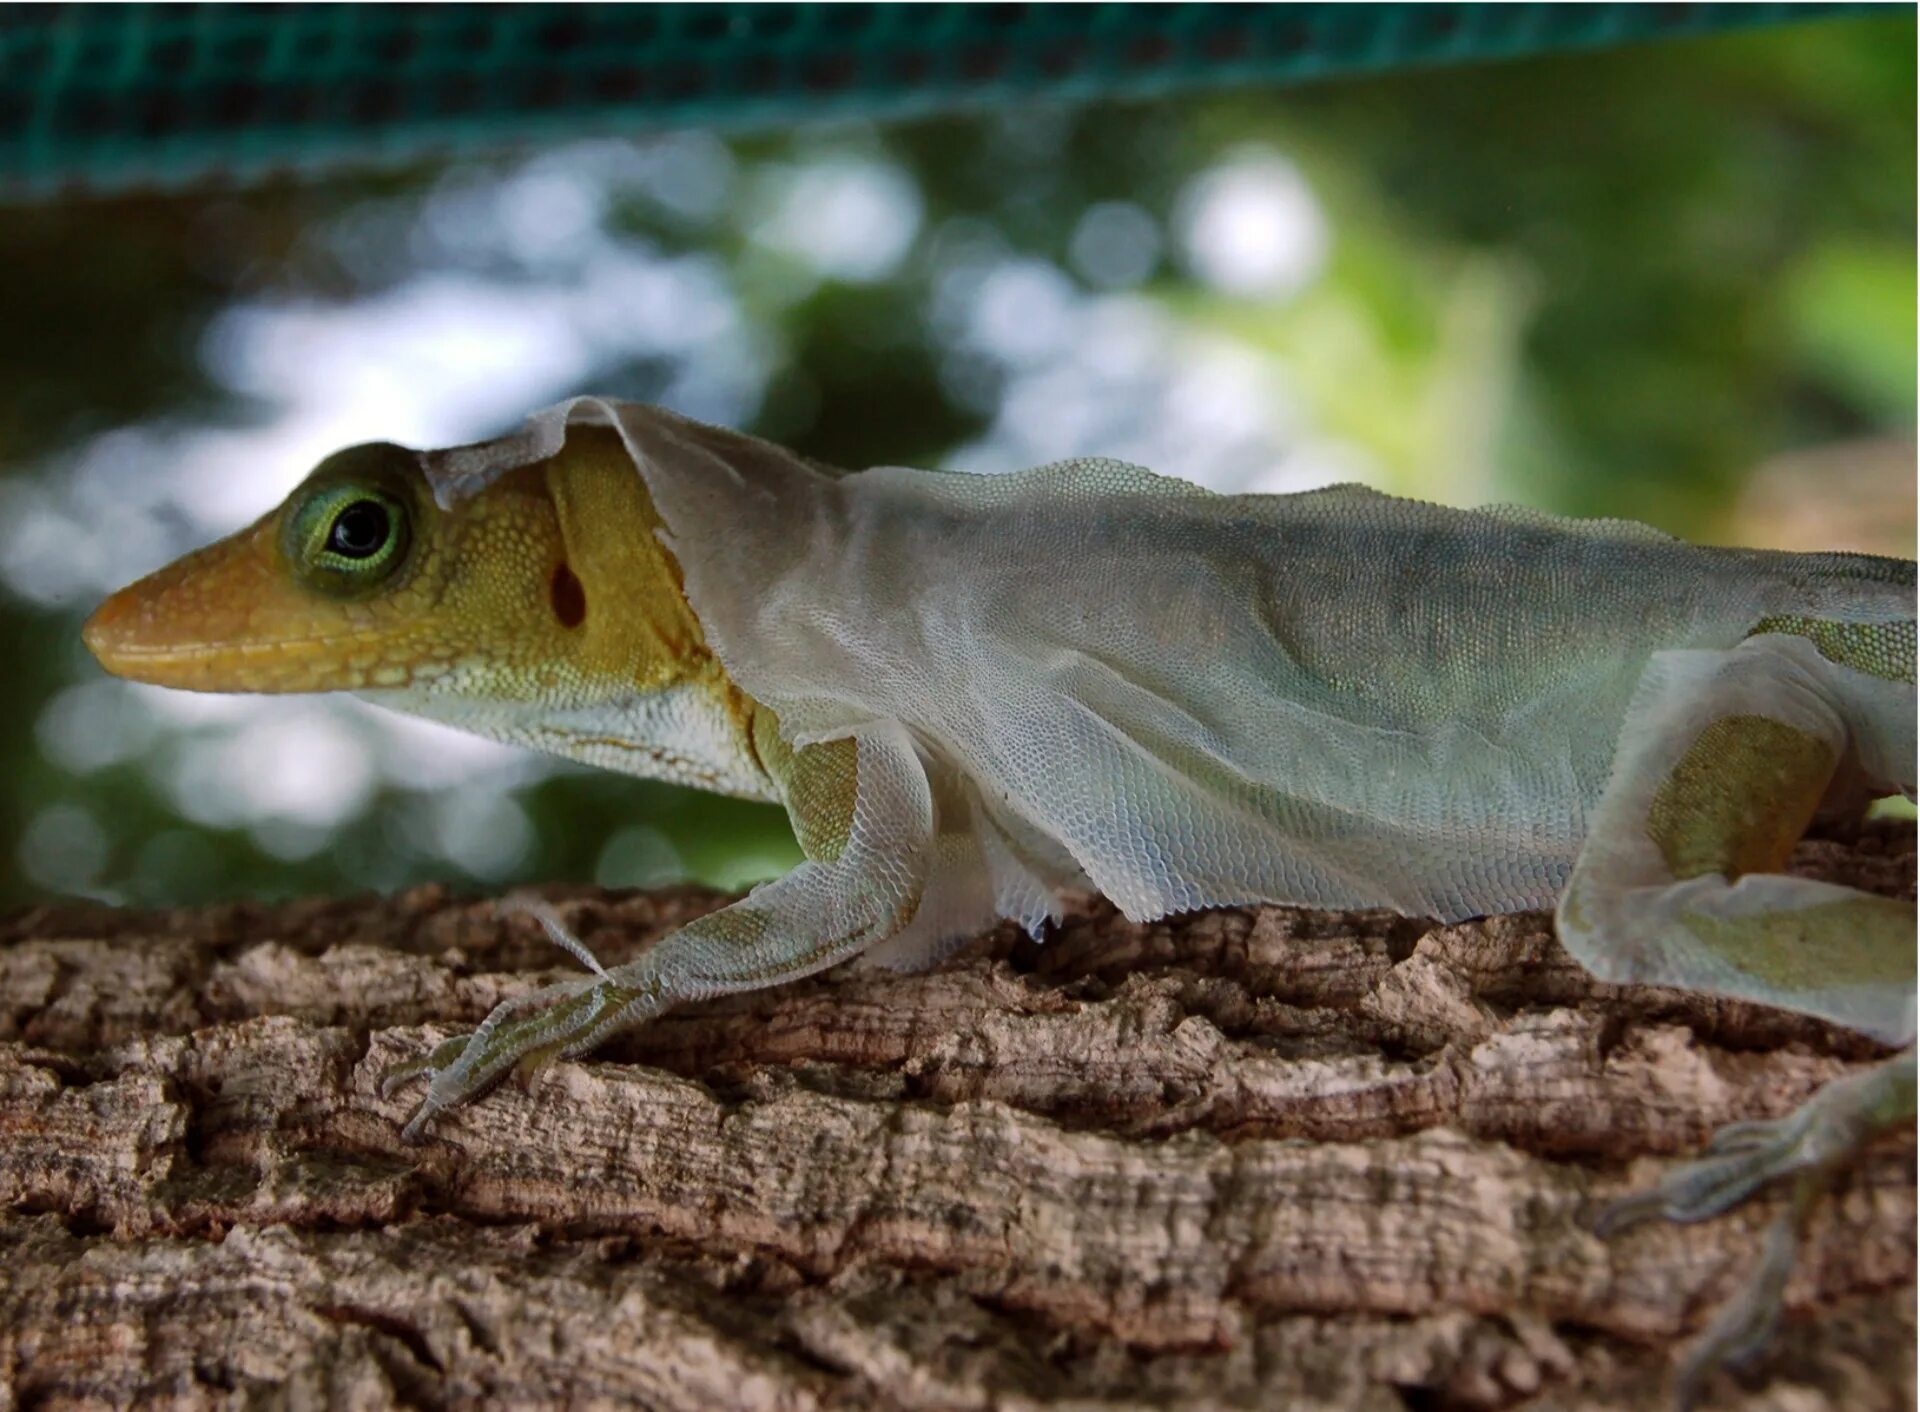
(972, 692)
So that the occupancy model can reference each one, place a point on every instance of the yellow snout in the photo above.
(230, 618)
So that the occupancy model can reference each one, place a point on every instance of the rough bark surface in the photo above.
(1253, 1158)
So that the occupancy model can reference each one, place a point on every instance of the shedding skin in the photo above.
(535, 590)
(1730, 757)
(495, 605)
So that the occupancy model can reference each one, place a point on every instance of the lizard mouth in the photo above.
(221, 620)
(115, 653)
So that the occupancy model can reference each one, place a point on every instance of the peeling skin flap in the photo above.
(1336, 699)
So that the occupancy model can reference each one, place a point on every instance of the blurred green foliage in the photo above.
(1606, 284)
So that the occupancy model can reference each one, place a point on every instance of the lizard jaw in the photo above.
(226, 618)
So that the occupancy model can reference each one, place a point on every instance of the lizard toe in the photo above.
(1745, 1324)
(1811, 1145)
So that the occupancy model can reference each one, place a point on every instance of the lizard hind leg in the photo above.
(1811, 1146)
(1724, 759)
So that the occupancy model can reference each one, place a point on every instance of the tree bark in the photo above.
(1246, 1158)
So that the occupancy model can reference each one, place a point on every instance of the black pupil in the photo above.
(360, 530)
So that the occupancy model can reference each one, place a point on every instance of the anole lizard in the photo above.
(971, 692)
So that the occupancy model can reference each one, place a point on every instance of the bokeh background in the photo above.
(1674, 281)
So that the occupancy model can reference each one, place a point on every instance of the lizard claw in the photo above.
(1743, 1157)
(1744, 1325)
(395, 1077)
(1743, 1137)
(567, 1018)
(1698, 1190)
(1810, 1144)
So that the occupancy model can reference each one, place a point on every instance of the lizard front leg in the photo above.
(1725, 758)
(864, 813)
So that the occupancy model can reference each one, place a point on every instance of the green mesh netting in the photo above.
(109, 97)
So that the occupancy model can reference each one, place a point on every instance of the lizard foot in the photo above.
(1811, 1144)
(521, 1034)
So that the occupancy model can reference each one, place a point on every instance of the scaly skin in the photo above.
(503, 600)
(543, 609)
(1679, 732)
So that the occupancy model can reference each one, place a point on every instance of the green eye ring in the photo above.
(347, 539)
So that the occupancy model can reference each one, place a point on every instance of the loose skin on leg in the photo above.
(1725, 759)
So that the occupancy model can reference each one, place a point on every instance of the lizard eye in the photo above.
(360, 530)
(347, 539)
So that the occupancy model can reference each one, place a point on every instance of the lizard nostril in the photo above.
(568, 596)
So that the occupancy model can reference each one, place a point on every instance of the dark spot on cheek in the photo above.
(569, 598)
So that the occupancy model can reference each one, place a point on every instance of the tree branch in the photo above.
(1244, 1158)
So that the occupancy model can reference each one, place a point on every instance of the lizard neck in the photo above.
(622, 677)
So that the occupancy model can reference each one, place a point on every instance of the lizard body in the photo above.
(971, 692)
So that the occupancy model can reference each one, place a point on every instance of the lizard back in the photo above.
(1337, 698)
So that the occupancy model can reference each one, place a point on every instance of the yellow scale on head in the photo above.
(359, 581)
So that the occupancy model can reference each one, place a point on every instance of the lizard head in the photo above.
(360, 581)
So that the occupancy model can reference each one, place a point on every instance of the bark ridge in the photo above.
(1245, 1158)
